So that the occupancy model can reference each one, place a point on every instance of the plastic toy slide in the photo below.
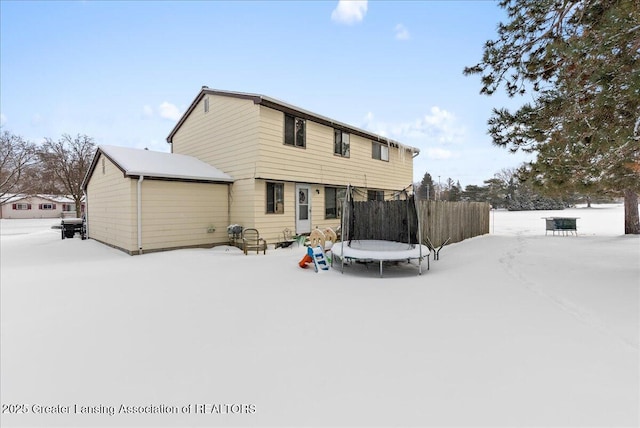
(315, 255)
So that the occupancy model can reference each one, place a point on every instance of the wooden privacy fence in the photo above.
(397, 220)
(441, 220)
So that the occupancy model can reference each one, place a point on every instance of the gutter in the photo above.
(140, 180)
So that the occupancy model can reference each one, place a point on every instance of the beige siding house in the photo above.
(141, 201)
(290, 166)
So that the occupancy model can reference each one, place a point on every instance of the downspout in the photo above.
(140, 180)
(229, 203)
(86, 213)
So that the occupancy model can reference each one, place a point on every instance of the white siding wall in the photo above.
(111, 204)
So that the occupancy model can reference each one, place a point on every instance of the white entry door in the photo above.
(303, 208)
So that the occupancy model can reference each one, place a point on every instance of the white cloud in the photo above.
(349, 11)
(436, 127)
(166, 110)
(147, 111)
(3, 119)
(402, 33)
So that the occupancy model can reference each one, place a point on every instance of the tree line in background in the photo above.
(579, 62)
(54, 167)
(508, 189)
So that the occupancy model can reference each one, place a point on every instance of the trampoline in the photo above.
(375, 250)
(380, 230)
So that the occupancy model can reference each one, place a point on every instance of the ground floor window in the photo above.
(68, 207)
(47, 206)
(375, 195)
(275, 198)
(21, 206)
(333, 198)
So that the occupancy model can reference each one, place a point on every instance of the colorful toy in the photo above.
(305, 261)
(315, 255)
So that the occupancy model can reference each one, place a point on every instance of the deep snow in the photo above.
(513, 328)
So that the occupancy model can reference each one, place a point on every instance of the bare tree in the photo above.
(69, 159)
(16, 156)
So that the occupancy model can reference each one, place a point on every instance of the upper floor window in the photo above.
(275, 198)
(379, 151)
(294, 131)
(341, 146)
(206, 105)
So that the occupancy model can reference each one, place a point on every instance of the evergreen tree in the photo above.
(496, 192)
(581, 61)
(426, 189)
(474, 193)
(455, 192)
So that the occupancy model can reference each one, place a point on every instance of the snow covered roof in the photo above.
(152, 164)
(61, 199)
(291, 109)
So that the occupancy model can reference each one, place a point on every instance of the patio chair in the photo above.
(251, 240)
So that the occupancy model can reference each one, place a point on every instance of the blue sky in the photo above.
(123, 72)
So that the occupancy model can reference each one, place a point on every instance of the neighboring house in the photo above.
(290, 166)
(37, 206)
(140, 200)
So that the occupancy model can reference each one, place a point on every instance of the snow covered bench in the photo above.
(563, 225)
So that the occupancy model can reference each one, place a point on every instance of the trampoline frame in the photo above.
(411, 251)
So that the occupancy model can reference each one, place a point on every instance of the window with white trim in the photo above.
(47, 206)
(21, 206)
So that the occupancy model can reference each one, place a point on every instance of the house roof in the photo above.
(60, 199)
(287, 108)
(152, 164)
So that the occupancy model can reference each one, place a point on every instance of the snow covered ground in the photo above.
(514, 328)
